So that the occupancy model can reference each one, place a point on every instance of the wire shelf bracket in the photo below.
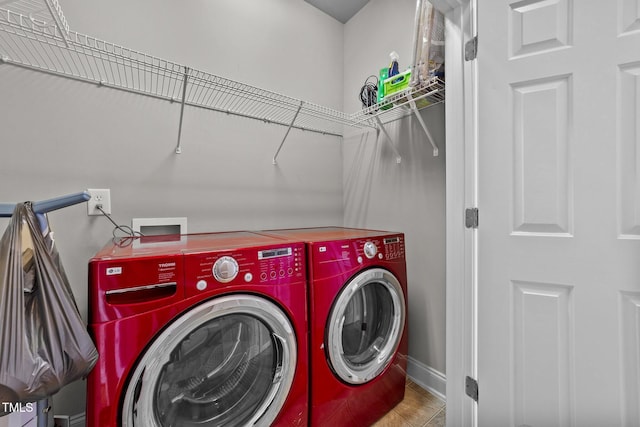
(391, 143)
(275, 162)
(416, 112)
(184, 94)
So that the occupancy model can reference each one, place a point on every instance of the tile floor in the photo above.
(418, 409)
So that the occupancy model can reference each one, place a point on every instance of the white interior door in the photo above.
(559, 200)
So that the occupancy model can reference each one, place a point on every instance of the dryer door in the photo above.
(229, 361)
(365, 326)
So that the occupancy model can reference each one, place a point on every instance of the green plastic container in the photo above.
(396, 83)
(384, 73)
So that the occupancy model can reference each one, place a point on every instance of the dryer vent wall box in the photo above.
(159, 226)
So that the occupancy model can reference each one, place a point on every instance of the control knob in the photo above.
(225, 269)
(370, 249)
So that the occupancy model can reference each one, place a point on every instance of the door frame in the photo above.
(461, 193)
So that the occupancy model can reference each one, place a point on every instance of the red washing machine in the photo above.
(200, 329)
(357, 283)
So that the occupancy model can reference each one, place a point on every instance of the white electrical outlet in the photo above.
(101, 198)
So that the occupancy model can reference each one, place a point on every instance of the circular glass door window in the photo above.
(365, 326)
(227, 362)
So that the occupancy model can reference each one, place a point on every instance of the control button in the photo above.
(380, 256)
(201, 285)
(248, 277)
(281, 273)
(273, 274)
(225, 269)
(359, 260)
(370, 250)
(290, 271)
(263, 276)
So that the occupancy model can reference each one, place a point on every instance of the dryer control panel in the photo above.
(333, 258)
(272, 265)
(380, 248)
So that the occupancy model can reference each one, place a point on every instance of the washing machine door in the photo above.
(365, 326)
(227, 362)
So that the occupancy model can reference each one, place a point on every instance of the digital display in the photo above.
(274, 253)
(391, 240)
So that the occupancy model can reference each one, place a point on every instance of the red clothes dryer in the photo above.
(201, 329)
(357, 284)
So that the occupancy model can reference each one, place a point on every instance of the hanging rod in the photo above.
(44, 206)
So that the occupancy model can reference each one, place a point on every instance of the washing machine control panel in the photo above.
(273, 265)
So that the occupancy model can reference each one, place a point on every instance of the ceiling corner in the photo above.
(342, 10)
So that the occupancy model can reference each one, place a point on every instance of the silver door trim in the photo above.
(367, 372)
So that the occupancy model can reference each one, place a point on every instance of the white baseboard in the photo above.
(426, 377)
(77, 420)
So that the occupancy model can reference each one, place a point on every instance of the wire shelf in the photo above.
(27, 42)
(221, 94)
(398, 105)
(34, 34)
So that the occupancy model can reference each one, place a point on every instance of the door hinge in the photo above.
(471, 217)
(471, 49)
(471, 388)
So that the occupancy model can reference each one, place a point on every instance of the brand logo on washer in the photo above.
(322, 249)
(112, 271)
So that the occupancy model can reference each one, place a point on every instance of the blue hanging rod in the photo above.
(44, 206)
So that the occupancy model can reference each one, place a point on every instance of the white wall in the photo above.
(409, 196)
(61, 136)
